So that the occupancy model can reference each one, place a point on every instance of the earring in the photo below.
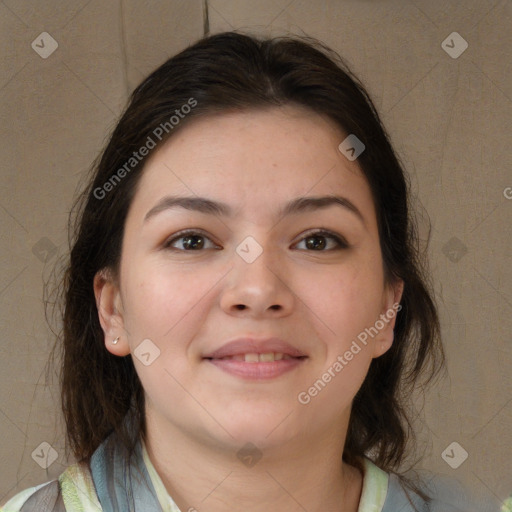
(115, 341)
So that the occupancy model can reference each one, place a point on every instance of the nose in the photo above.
(257, 289)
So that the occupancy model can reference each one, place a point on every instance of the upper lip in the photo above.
(250, 345)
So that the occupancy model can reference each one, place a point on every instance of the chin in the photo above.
(263, 432)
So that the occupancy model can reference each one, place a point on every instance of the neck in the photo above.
(300, 475)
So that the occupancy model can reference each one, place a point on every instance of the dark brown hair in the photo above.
(229, 72)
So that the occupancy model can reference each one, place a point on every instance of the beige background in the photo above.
(448, 118)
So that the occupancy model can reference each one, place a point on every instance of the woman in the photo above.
(246, 309)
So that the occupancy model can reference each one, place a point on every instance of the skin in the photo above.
(188, 303)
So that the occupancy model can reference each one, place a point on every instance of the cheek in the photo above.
(163, 306)
(346, 299)
(159, 299)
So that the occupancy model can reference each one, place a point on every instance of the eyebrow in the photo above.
(210, 207)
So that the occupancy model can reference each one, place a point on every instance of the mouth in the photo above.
(247, 367)
(254, 359)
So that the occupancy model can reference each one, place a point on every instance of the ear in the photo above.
(110, 312)
(391, 297)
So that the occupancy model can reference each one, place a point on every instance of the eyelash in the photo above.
(340, 241)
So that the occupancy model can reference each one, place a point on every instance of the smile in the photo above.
(257, 358)
(257, 366)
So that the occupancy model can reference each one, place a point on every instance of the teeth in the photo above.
(259, 358)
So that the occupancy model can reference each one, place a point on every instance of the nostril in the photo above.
(241, 307)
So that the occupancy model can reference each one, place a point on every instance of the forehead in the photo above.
(257, 159)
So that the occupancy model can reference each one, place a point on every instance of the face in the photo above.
(311, 276)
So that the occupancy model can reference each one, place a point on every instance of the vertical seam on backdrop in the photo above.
(206, 19)
(124, 58)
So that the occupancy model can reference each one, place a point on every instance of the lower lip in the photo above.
(264, 370)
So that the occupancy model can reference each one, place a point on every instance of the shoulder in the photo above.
(389, 492)
(442, 494)
(34, 498)
(73, 492)
(450, 495)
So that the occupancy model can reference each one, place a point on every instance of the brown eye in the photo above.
(319, 241)
(189, 241)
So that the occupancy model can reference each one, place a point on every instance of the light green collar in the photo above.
(375, 488)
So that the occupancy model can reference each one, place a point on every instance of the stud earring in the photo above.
(115, 341)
